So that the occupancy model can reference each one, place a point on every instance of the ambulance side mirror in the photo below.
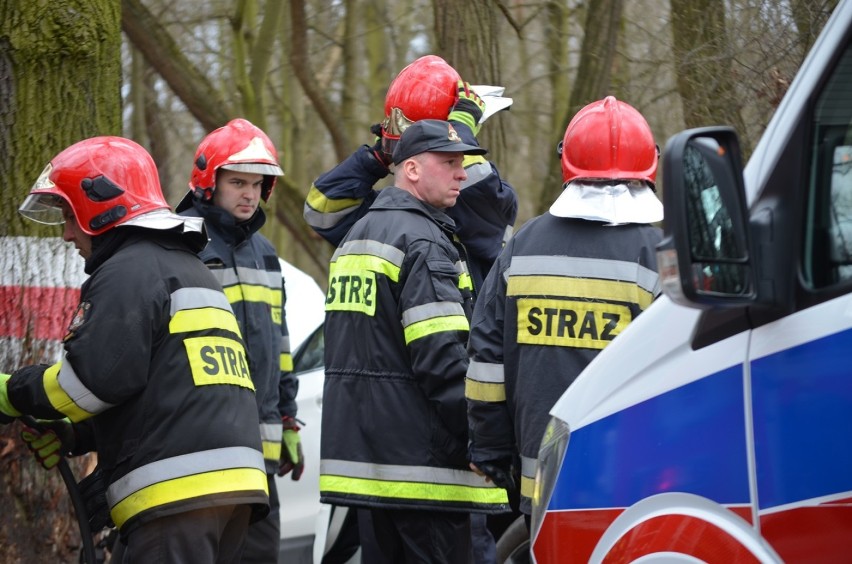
(704, 258)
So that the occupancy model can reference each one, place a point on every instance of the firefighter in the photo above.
(235, 167)
(394, 428)
(564, 287)
(428, 88)
(154, 374)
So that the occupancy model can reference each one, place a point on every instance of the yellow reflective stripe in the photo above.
(484, 391)
(203, 319)
(527, 486)
(348, 264)
(188, 487)
(59, 399)
(465, 281)
(322, 203)
(570, 323)
(285, 363)
(251, 293)
(435, 325)
(412, 490)
(271, 450)
(470, 160)
(276, 315)
(563, 286)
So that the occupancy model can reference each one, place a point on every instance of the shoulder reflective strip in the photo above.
(68, 395)
(485, 382)
(218, 361)
(203, 319)
(571, 267)
(323, 204)
(185, 488)
(260, 294)
(270, 438)
(482, 391)
(430, 310)
(285, 362)
(196, 298)
(589, 288)
(412, 490)
(369, 247)
(212, 460)
(477, 169)
(352, 264)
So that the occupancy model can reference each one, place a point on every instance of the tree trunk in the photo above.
(61, 69)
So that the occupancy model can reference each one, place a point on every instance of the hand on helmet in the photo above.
(378, 145)
(469, 107)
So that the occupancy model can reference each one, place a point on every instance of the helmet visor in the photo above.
(396, 123)
(43, 208)
(255, 168)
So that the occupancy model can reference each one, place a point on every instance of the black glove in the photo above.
(500, 472)
(93, 488)
(468, 110)
(378, 146)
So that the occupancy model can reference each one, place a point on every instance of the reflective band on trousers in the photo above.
(408, 482)
(224, 470)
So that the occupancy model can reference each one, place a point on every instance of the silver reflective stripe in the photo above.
(461, 267)
(370, 247)
(82, 396)
(271, 432)
(184, 465)
(285, 345)
(244, 275)
(488, 372)
(325, 220)
(194, 298)
(394, 473)
(475, 173)
(543, 265)
(430, 311)
(528, 466)
(510, 229)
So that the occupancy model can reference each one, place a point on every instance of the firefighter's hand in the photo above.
(468, 110)
(378, 145)
(7, 411)
(497, 471)
(50, 441)
(292, 459)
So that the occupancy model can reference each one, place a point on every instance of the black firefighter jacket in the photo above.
(247, 266)
(155, 377)
(559, 293)
(394, 427)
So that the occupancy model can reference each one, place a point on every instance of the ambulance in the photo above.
(718, 426)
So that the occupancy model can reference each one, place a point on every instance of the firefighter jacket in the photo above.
(246, 265)
(484, 213)
(561, 291)
(155, 365)
(394, 425)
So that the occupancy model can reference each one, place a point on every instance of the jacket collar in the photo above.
(397, 198)
(226, 225)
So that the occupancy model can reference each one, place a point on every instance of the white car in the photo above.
(311, 532)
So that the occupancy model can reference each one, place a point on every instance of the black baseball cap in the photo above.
(431, 136)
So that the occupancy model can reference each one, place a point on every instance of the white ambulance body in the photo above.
(718, 426)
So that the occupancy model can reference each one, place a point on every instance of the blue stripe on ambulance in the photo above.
(803, 421)
(644, 443)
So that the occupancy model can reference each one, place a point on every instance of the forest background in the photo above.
(313, 74)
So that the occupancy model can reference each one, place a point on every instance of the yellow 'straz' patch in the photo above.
(352, 291)
(570, 323)
(218, 360)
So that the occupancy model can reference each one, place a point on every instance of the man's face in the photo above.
(238, 193)
(439, 178)
(73, 234)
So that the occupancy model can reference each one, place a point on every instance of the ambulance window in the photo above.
(828, 249)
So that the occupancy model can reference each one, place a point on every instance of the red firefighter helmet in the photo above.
(238, 145)
(107, 181)
(425, 89)
(609, 140)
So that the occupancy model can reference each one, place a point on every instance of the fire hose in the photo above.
(77, 501)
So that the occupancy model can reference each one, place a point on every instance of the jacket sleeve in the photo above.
(485, 211)
(288, 384)
(436, 330)
(491, 428)
(340, 197)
